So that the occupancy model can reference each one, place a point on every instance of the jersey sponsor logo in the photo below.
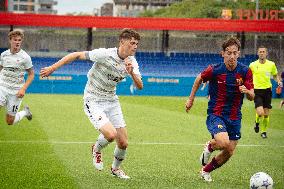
(114, 78)
(120, 68)
(11, 69)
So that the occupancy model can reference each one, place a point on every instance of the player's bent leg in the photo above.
(221, 141)
(226, 153)
(120, 153)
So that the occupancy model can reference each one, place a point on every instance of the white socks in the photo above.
(101, 143)
(19, 115)
(119, 155)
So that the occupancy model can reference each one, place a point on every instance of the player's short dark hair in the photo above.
(262, 47)
(231, 41)
(128, 33)
(16, 32)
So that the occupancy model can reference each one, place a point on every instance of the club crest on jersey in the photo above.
(239, 81)
(220, 126)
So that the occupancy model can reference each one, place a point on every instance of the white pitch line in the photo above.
(131, 143)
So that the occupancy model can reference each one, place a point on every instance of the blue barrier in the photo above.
(75, 84)
(153, 86)
(162, 75)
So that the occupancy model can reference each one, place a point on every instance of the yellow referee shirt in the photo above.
(262, 73)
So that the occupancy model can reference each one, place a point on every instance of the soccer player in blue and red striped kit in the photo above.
(228, 82)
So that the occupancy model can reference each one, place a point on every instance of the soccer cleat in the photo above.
(119, 173)
(256, 127)
(205, 176)
(263, 135)
(205, 156)
(29, 114)
(97, 159)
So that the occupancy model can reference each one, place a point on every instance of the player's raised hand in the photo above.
(46, 71)
(128, 65)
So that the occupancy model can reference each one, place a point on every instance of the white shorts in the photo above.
(103, 112)
(10, 101)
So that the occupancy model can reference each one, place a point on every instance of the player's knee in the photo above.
(111, 136)
(225, 145)
(10, 121)
(123, 144)
(260, 113)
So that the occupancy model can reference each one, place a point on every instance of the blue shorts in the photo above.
(216, 124)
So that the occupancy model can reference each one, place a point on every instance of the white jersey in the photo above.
(107, 71)
(13, 71)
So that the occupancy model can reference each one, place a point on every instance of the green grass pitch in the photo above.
(53, 150)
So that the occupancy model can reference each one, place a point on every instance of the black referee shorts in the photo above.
(263, 98)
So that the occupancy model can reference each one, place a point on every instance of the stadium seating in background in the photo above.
(176, 64)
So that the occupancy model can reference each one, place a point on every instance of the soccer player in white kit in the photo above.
(101, 103)
(14, 62)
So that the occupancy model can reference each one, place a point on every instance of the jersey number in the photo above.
(15, 108)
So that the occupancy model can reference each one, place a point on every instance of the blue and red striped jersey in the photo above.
(225, 97)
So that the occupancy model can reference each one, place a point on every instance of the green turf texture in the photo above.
(53, 150)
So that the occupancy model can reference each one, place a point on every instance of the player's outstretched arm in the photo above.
(46, 71)
(196, 84)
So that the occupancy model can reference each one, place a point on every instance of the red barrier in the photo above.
(142, 23)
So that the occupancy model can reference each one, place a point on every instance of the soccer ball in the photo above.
(261, 180)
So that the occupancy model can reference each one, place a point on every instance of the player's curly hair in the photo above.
(16, 32)
(128, 33)
(231, 41)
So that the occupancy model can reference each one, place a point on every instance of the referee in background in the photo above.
(262, 70)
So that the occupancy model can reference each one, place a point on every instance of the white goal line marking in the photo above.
(131, 143)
